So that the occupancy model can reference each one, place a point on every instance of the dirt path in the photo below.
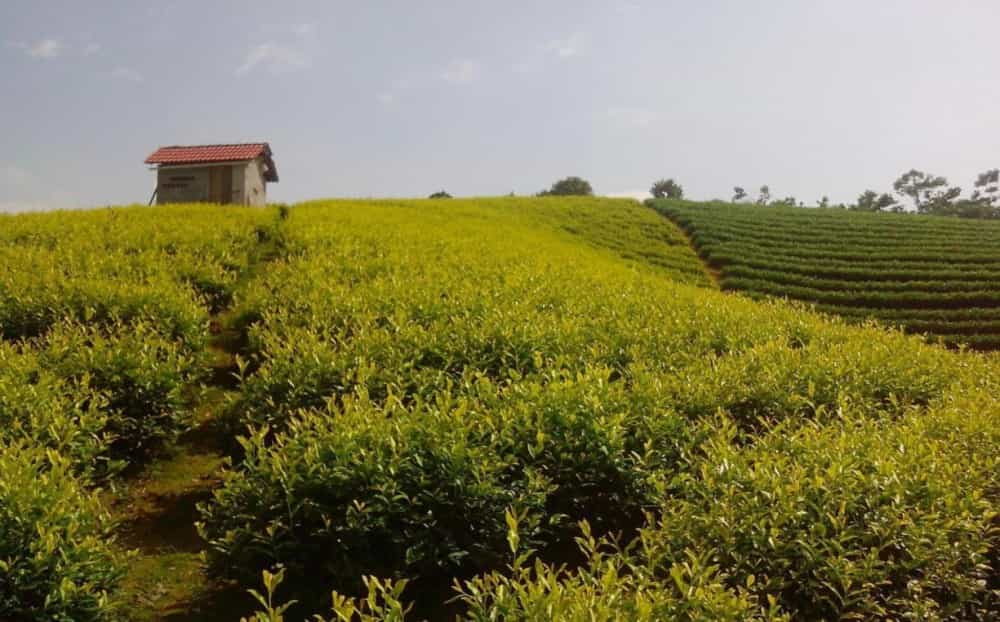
(157, 508)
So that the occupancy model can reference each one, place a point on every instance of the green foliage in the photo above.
(569, 186)
(57, 556)
(440, 194)
(40, 407)
(857, 519)
(871, 201)
(928, 274)
(612, 585)
(142, 376)
(666, 189)
(930, 194)
(363, 492)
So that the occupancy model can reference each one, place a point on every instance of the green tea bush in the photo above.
(860, 265)
(42, 408)
(144, 377)
(857, 519)
(57, 555)
(363, 492)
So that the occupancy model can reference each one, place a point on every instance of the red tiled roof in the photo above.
(198, 154)
(205, 153)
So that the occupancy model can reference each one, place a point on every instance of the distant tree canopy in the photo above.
(929, 193)
(739, 194)
(871, 201)
(440, 194)
(764, 195)
(570, 186)
(667, 189)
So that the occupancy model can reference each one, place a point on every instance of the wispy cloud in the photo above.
(274, 57)
(46, 48)
(127, 73)
(569, 47)
(462, 72)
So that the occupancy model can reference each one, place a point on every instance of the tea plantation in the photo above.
(928, 274)
(486, 409)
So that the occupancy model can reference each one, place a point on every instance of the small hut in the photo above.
(227, 174)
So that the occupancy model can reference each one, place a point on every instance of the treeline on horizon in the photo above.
(914, 192)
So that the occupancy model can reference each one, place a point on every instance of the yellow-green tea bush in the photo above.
(857, 519)
(416, 370)
(144, 378)
(57, 555)
(167, 266)
(39, 407)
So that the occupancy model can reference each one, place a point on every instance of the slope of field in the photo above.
(934, 275)
(468, 408)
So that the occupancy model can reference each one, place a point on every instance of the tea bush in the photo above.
(144, 378)
(857, 519)
(57, 555)
(39, 407)
(891, 267)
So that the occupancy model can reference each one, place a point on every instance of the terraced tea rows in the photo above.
(934, 275)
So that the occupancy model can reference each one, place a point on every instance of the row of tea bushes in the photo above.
(104, 319)
(101, 398)
(170, 266)
(58, 560)
(413, 381)
(894, 267)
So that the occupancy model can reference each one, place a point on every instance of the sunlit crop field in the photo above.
(490, 409)
(928, 274)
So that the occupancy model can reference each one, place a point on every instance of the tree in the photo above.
(667, 189)
(871, 201)
(988, 188)
(570, 186)
(440, 194)
(739, 194)
(764, 196)
(790, 201)
(929, 193)
(824, 202)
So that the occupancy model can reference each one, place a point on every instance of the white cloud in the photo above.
(276, 58)
(638, 195)
(125, 73)
(568, 47)
(462, 72)
(304, 29)
(46, 48)
(631, 117)
(386, 98)
(90, 49)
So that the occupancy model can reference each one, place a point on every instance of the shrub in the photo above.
(57, 556)
(145, 378)
(858, 519)
(39, 407)
(362, 492)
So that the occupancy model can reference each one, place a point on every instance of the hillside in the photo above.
(934, 275)
(395, 397)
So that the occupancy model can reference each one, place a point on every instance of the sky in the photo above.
(402, 98)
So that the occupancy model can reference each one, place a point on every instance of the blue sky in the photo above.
(403, 98)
